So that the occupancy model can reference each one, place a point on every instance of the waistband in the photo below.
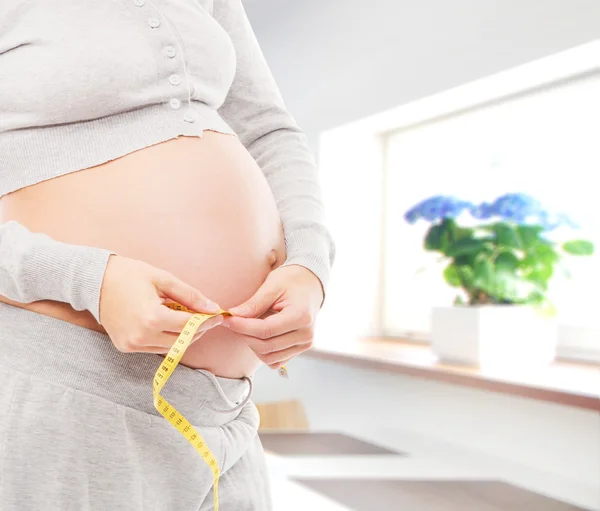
(59, 352)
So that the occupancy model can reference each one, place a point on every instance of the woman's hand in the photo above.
(132, 310)
(295, 294)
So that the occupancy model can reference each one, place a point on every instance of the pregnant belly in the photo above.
(199, 208)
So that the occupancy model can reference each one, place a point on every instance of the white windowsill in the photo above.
(562, 382)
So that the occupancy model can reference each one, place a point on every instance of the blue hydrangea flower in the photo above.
(522, 210)
(437, 208)
(483, 211)
(517, 207)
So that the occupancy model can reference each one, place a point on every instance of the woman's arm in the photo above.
(33, 267)
(256, 112)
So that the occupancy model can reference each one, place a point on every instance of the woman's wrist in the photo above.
(312, 249)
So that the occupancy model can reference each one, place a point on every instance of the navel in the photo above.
(272, 258)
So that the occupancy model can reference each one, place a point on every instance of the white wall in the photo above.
(340, 60)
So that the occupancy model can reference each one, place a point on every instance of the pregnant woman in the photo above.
(146, 158)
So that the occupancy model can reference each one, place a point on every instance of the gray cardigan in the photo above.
(85, 82)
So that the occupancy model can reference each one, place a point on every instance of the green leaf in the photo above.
(538, 266)
(433, 239)
(501, 282)
(465, 260)
(529, 234)
(505, 268)
(460, 233)
(541, 252)
(469, 246)
(536, 298)
(507, 261)
(439, 236)
(484, 273)
(450, 224)
(452, 276)
(512, 288)
(578, 248)
(506, 235)
(467, 276)
(541, 275)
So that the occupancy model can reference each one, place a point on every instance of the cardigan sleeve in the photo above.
(34, 266)
(256, 112)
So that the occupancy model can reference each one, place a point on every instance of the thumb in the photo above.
(259, 303)
(184, 294)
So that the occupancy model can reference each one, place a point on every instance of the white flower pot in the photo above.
(493, 335)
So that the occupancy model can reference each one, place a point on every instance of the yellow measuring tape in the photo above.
(168, 411)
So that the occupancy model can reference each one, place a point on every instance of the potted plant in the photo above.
(500, 258)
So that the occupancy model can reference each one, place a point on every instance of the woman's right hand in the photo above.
(132, 307)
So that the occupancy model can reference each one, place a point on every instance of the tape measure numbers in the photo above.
(168, 411)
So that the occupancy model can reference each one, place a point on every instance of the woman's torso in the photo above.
(197, 207)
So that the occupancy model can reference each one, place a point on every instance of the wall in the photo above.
(340, 60)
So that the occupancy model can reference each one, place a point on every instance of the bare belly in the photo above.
(198, 208)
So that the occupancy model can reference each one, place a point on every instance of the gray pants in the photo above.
(78, 430)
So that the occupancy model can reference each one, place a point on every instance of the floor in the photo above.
(336, 472)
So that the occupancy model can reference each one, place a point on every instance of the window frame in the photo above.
(367, 139)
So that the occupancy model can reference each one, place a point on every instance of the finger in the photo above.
(183, 293)
(175, 321)
(211, 323)
(207, 325)
(279, 365)
(259, 303)
(163, 350)
(167, 339)
(171, 339)
(281, 342)
(283, 355)
(281, 323)
(172, 321)
(156, 350)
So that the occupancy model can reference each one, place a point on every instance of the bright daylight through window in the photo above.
(542, 144)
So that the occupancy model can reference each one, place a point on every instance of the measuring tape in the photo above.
(168, 411)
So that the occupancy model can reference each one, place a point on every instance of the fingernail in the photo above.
(212, 307)
(238, 310)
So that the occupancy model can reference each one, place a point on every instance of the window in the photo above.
(542, 143)
(532, 129)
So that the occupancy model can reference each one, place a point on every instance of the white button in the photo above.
(154, 22)
(189, 117)
(174, 103)
(169, 51)
(174, 79)
(139, 3)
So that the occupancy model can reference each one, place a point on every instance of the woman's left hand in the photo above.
(294, 294)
